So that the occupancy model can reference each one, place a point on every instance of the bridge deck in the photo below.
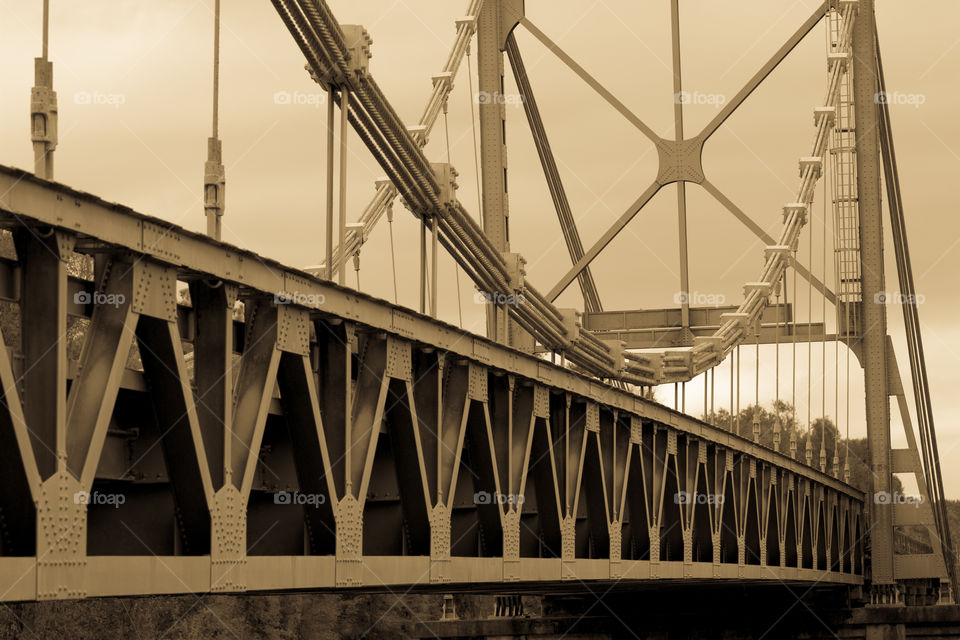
(370, 412)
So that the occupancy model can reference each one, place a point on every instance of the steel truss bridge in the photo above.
(404, 432)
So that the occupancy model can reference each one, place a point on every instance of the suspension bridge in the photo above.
(228, 423)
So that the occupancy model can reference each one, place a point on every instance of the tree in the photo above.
(854, 452)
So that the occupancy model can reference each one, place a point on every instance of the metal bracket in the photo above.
(358, 43)
(680, 161)
(399, 359)
(477, 382)
(592, 417)
(541, 401)
(293, 329)
(446, 177)
(154, 290)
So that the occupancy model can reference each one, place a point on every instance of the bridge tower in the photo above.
(894, 575)
(873, 329)
(495, 23)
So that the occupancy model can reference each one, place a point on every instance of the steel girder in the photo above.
(430, 456)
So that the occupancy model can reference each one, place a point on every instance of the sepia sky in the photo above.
(134, 83)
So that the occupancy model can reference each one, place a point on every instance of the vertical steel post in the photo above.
(434, 276)
(423, 267)
(681, 184)
(874, 315)
(493, 151)
(330, 143)
(344, 129)
(496, 20)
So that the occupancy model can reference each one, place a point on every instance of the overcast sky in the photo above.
(134, 79)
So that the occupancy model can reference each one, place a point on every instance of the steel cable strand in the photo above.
(383, 152)
(639, 374)
(305, 37)
(528, 317)
(369, 84)
(596, 344)
(459, 258)
(547, 330)
(385, 192)
(390, 132)
(329, 30)
(386, 162)
(496, 272)
(598, 354)
(404, 144)
(552, 310)
(316, 21)
(427, 181)
(481, 276)
(337, 49)
(480, 239)
(468, 227)
(336, 33)
(549, 324)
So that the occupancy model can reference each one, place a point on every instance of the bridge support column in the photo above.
(43, 255)
(874, 317)
(496, 21)
(212, 365)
